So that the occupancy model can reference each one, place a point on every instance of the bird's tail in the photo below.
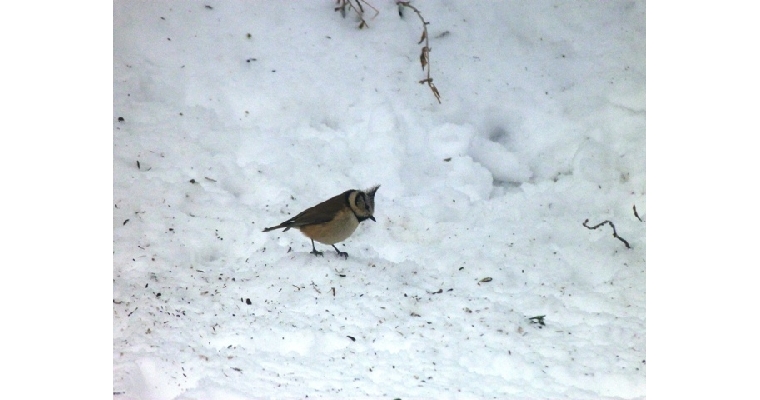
(276, 227)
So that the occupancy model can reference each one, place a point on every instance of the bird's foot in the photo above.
(317, 253)
(341, 253)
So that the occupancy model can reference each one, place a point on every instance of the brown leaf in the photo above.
(422, 38)
(435, 92)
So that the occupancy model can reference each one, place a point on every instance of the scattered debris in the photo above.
(486, 279)
(538, 320)
(636, 214)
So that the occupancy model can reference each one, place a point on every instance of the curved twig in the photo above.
(614, 232)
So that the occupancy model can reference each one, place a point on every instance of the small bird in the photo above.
(334, 219)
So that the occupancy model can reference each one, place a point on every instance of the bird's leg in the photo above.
(314, 249)
(341, 253)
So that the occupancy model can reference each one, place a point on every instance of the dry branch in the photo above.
(356, 5)
(425, 53)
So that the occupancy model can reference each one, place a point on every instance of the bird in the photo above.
(334, 219)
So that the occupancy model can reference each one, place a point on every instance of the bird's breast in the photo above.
(334, 231)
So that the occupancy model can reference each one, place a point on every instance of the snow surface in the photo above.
(237, 115)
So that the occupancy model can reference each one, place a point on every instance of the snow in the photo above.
(541, 126)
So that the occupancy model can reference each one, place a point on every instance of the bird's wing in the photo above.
(320, 213)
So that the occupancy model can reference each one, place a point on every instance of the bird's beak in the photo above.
(372, 218)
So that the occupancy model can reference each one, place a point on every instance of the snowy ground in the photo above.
(236, 115)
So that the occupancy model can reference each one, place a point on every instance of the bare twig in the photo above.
(373, 8)
(614, 232)
(425, 54)
(636, 214)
